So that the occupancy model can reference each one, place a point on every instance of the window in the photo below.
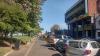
(98, 6)
(98, 22)
(74, 44)
(98, 34)
(89, 33)
(84, 44)
(95, 45)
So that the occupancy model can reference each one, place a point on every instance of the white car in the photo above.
(81, 48)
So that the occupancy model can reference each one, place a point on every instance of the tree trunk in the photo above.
(6, 34)
(28, 34)
(22, 34)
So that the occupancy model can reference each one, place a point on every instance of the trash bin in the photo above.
(17, 44)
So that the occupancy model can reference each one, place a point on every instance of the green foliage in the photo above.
(15, 18)
(2, 26)
(12, 17)
(24, 39)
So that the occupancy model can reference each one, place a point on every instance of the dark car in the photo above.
(60, 45)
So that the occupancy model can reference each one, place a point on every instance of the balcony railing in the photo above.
(88, 27)
(85, 27)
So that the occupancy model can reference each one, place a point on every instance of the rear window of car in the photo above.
(95, 45)
(84, 44)
(74, 44)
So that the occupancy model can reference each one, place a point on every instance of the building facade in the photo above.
(83, 19)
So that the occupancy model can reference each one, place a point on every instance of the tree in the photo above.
(55, 28)
(12, 17)
(20, 16)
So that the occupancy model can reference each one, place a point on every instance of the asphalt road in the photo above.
(40, 48)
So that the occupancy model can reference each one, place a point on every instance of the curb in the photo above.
(8, 53)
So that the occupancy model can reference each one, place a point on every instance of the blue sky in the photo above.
(53, 13)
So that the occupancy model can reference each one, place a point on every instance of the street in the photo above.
(41, 49)
(36, 48)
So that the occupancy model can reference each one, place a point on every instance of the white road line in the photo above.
(29, 49)
(8, 53)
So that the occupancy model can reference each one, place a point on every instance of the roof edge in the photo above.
(73, 6)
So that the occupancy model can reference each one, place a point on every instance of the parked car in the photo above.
(82, 48)
(60, 44)
(51, 40)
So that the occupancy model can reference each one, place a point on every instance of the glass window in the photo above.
(95, 45)
(84, 44)
(98, 6)
(74, 44)
(98, 34)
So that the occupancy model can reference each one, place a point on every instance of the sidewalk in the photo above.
(23, 50)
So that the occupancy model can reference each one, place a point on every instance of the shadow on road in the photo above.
(52, 48)
(49, 47)
(46, 45)
(57, 54)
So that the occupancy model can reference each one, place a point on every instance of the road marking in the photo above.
(29, 49)
(8, 53)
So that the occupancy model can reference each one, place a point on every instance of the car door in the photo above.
(95, 48)
(74, 49)
(78, 49)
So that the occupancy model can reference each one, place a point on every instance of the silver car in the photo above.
(82, 48)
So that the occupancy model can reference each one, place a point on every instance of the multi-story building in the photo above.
(83, 19)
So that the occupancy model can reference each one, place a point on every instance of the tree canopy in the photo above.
(55, 28)
(20, 15)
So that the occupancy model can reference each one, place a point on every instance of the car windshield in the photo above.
(95, 45)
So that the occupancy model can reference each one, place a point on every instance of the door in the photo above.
(95, 48)
(74, 49)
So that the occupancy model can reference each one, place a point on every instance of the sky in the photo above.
(53, 12)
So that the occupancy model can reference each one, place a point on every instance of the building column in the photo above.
(72, 30)
(86, 33)
(83, 31)
(68, 30)
(93, 27)
(76, 30)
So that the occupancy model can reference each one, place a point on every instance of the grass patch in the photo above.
(4, 50)
(24, 39)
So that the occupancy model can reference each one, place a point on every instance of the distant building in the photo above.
(83, 19)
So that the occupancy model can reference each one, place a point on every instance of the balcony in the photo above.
(86, 27)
